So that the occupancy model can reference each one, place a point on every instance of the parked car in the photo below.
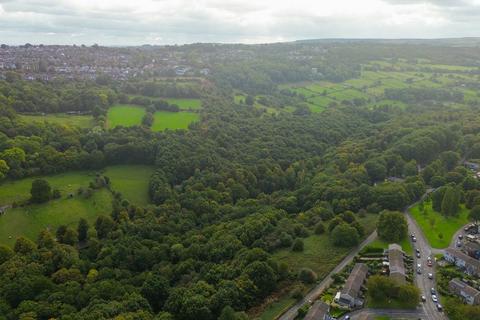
(417, 250)
(418, 255)
(429, 263)
(430, 276)
(419, 270)
(432, 291)
(460, 236)
(419, 265)
(439, 307)
(434, 298)
(424, 298)
(414, 239)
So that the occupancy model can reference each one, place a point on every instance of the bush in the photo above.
(297, 292)
(297, 245)
(307, 275)
(56, 194)
(319, 228)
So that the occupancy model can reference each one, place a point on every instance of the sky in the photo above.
(137, 22)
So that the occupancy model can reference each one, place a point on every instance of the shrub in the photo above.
(307, 275)
(319, 228)
(297, 245)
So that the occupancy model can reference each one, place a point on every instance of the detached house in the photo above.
(319, 311)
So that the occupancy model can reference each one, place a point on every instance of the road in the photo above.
(403, 314)
(421, 280)
(291, 313)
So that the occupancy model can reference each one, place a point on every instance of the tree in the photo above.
(297, 245)
(475, 214)
(376, 170)
(82, 230)
(3, 169)
(5, 253)
(392, 226)
(103, 225)
(262, 276)
(24, 246)
(156, 290)
(345, 235)
(449, 159)
(40, 191)
(451, 201)
(307, 275)
(249, 100)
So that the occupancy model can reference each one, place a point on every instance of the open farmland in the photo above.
(173, 120)
(81, 121)
(124, 115)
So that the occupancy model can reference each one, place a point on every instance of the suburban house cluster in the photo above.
(463, 261)
(319, 311)
(469, 294)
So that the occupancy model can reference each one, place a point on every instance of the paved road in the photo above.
(404, 314)
(327, 281)
(421, 280)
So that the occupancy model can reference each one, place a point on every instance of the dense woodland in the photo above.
(228, 192)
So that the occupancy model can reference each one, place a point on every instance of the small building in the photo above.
(396, 263)
(349, 295)
(319, 311)
(470, 265)
(472, 248)
(469, 294)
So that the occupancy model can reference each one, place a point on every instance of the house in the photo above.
(470, 265)
(472, 165)
(396, 264)
(349, 296)
(469, 294)
(472, 248)
(318, 311)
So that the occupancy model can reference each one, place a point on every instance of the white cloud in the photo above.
(121, 22)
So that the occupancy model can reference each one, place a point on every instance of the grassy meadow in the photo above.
(437, 228)
(131, 181)
(173, 120)
(124, 115)
(81, 121)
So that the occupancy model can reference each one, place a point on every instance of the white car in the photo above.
(419, 265)
(430, 276)
(434, 298)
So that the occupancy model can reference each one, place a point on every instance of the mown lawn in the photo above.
(124, 115)
(131, 181)
(437, 228)
(173, 120)
(81, 121)
(405, 243)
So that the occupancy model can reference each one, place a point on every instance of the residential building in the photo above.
(349, 295)
(468, 293)
(472, 248)
(470, 265)
(319, 311)
(396, 263)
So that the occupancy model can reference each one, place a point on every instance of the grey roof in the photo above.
(395, 259)
(472, 292)
(469, 261)
(355, 280)
(471, 246)
(318, 311)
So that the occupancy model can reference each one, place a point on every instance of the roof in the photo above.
(355, 280)
(471, 246)
(472, 292)
(395, 259)
(469, 261)
(318, 311)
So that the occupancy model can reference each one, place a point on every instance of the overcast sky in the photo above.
(135, 22)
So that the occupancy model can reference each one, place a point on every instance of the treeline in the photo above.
(415, 95)
(35, 96)
(162, 89)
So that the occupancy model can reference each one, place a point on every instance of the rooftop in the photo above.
(355, 280)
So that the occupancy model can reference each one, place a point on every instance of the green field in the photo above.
(131, 181)
(442, 225)
(124, 115)
(185, 104)
(173, 120)
(81, 121)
